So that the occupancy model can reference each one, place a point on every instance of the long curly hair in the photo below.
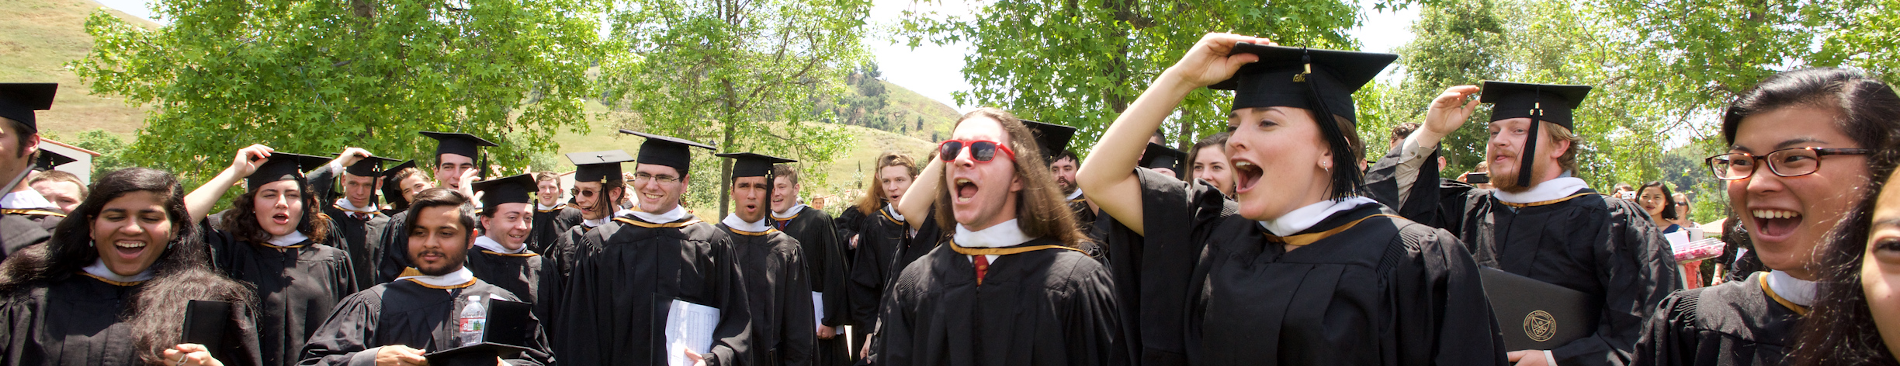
(181, 273)
(1041, 209)
(243, 225)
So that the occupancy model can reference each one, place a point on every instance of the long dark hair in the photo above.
(181, 273)
(1669, 199)
(244, 226)
(1041, 209)
(1868, 108)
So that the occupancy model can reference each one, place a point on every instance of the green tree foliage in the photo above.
(746, 75)
(1080, 63)
(1457, 42)
(314, 77)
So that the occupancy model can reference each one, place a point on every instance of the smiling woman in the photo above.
(130, 251)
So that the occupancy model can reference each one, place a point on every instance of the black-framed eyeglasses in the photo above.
(1790, 162)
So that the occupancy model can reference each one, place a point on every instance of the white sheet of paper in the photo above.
(817, 310)
(689, 326)
(1678, 238)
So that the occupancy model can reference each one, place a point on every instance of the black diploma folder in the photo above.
(1536, 315)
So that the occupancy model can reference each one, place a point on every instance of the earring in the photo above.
(91, 244)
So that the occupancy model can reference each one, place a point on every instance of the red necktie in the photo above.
(982, 267)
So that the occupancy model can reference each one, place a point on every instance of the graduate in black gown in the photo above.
(1303, 269)
(1789, 206)
(501, 255)
(597, 181)
(777, 279)
(873, 246)
(276, 239)
(26, 217)
(551, 216)
(456, 156)
(626, 273)
(358, 218)
(1009, 287)
(418, 313)
(824, 263)
(110, 289)
(1541, 222)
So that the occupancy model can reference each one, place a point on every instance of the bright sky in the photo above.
(935, 70)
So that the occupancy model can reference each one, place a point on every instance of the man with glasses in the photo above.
(630, 278)
(1541, 222)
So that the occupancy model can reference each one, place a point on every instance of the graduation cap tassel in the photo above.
(1346, 177)
(1530, 145)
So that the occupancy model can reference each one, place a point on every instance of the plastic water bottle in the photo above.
(473, 320)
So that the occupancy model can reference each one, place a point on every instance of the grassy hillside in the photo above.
(37, 38)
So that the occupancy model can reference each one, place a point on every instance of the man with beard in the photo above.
(355, 213)
(551, 216)
(26, 217)
(455, 155)
(824, 262)
(624, 276)
(399, 322)
(1054, 140)
(1541, 222)
(777, 282)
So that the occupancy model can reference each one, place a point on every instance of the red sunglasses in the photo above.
(981, 150)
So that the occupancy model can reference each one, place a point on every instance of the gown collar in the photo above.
(678, 212)
(1786, 287)
(892, 210)
(25, 199)
(458, 279)
(98, 270)
(1546, 191)
(1003, 234)
(556, 206)
(288, 240)
(733, 221)
(344, 203)
(1074, 196)
(1305, 217)
(790, 212)
(494, 246)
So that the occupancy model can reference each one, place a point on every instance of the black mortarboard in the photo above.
(368, 167)
(667, 151)
(753, 165)
(392, 190)
(1320, 81)
(1159, 156)
(457, 143)
(283, 166)
(1539, 102)
(512, 189)
(1052, 137)
(49, 159)
(599, 165)
(391, 172)
(19, 100)
(1549, 103)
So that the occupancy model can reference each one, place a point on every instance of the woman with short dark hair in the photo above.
(111, 286)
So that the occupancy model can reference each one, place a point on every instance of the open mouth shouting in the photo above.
(280, 218)
(965, 190)
(1246, 174)
(1774, 224)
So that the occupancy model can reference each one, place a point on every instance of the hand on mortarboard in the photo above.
(350, 156)
(1450, 110)
(249, 158)
(1211, 59)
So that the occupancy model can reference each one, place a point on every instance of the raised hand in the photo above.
(1450, 110)
(1208, 62)
(249, 158)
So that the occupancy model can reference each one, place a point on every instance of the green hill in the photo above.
(37, 39)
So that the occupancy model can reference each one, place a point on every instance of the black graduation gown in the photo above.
(849, 222)
(359, 235)
(1042, 307)
(18, 232)
(394, 249)
(410, 314)
(1607, 248)
(296, 287)
(778, 291)
(550, 224)
(884, 248)
(1734, 323)
(1152, 273)
(519, 273)
(76, 321)
(1377, 291)
(825, 263)
(622, 276)
(1085, 221)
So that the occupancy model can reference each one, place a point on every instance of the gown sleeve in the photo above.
(1669, 338)
(1443, 315)
(1153, 273)
(830, 262)
(1094, 329)
(868, 271)
(1638, 271)
(346, 337)
(801, 335)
